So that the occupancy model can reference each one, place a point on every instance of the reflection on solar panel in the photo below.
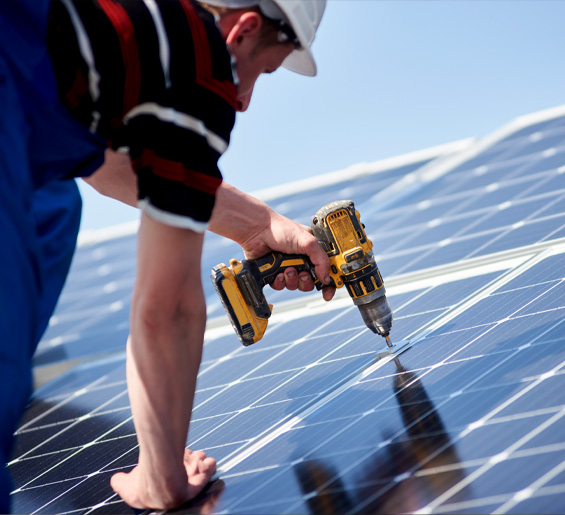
(469, 417)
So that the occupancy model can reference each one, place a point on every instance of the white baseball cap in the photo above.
(301, 16)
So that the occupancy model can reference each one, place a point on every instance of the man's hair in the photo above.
(269, 34)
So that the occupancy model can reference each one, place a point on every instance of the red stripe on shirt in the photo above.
(130, 54)
(77, 91)
(224, 89)
(175, 171)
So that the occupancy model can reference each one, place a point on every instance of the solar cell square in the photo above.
(550, 501)
(485, 442)
(534, 128)
(34, 499)
(236, 429)
(526, 362)
(486, 157)
(448, 251)
(435, 231)
(514, 475)
(550, 269)
(514, 333)
(240, 395)
(544, 392)
(549, 139)
(506, 215)
(522, 234)
(445, 344)
(398, 262)
(549, 436)
(497, 193)
(554, 206)
(418, 213)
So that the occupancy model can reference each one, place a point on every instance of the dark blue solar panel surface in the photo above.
(470, 418)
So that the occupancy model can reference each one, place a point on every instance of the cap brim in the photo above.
(301, 61)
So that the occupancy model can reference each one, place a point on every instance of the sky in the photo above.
(394, 76)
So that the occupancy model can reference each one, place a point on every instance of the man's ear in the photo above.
(245, 28)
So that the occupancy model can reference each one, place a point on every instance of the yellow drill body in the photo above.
(337, 227)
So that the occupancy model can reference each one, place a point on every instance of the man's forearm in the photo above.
(238, 215)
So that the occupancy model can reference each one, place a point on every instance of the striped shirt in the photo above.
(154, 78)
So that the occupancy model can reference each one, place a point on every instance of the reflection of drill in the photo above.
(338, 229)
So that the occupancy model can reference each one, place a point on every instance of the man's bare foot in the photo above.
(139, 490)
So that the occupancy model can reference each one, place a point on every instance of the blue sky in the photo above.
(394, 76)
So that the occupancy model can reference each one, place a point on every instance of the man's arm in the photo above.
(259, 230)
(237, 216)
(167, 322)
(115, 178)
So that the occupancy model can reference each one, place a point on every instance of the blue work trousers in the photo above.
(41, 149)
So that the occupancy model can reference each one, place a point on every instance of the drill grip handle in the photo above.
(272, 264)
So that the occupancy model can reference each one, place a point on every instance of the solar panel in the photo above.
(91, 317)
(468, 417)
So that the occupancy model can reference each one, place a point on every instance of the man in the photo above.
(160, 81)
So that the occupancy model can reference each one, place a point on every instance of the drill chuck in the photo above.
(377, 315)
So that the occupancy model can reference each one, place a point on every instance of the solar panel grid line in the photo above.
(307, 411)
(484, 467)
(391, 437)
(474, 506)
(360, 170)
(65, 459)
(493, 501)
(512, 257)
(425, 253)
(477, 296)
(507, 232)
(299, 416)
(518, 497)
(67, 428)
(552, 198)
(56, 406)
(509, 450)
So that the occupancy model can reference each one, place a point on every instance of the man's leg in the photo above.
(19, 278)
(57, 209)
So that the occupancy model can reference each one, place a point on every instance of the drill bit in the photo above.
(388, 342)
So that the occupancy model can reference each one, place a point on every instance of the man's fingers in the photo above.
(293, 281)
(305, 282)
(328, 293)
(117, 481)
(319, 259)
(278, 283)
(291, 278)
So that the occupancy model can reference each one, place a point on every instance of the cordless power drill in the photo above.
(337, 227)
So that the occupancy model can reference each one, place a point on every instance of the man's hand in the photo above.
(259, 230)
(290, 237)
(134, 487)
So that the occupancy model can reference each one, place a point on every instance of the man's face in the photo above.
(251, 64)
